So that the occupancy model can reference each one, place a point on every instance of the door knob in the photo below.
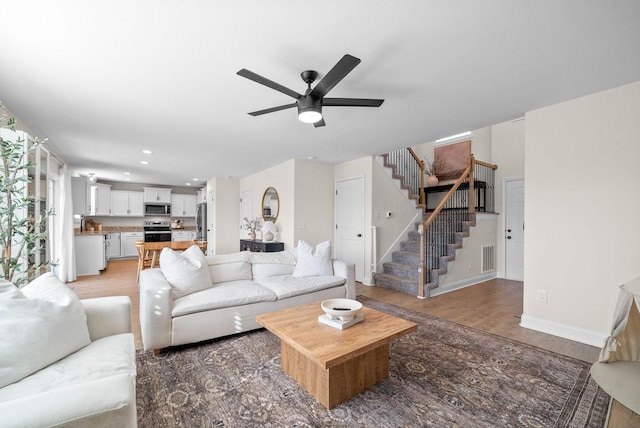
(509, 230)
(359, 235)
(508, 237)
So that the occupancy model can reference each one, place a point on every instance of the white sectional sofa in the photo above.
(65, 362)
(235, 288)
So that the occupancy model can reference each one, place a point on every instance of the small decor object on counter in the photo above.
(267, 229)
(252, 226)
(176, 224)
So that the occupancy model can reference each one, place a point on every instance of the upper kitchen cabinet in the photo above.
(100, 199)
(157, 194)
(126, 203)
(183, 205)
(81, 193)
(201, 196)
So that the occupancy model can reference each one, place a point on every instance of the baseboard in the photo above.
(462, 284)
(368, 280)
(565, 331)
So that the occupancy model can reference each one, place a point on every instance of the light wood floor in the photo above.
(494, 306)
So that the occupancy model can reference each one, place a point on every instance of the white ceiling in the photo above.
(105, 80)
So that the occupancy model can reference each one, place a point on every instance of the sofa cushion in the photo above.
(312, 263)
(98, 378)
(40, 324)
(223, 295)
(186, 272)
(288, 286)
(271, 264)
(229, 267)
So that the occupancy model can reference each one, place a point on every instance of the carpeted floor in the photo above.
(443, 375)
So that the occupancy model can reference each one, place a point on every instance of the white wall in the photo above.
(222, 216)
(507, 151)
(305, 191)
(582, 235)
(314, 200)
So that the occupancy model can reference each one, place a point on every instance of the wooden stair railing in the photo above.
(471, 207)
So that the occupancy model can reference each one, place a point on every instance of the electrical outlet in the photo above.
(541, 296)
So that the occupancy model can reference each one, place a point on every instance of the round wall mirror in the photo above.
(270, 204)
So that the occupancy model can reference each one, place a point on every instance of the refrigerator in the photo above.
(201, 222)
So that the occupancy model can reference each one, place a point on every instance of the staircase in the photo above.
(443, 237)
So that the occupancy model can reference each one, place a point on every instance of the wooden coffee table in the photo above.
(333, 364)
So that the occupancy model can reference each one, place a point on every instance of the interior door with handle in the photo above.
(349, 223)
(514, 230)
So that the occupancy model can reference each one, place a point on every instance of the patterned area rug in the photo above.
(443, 375)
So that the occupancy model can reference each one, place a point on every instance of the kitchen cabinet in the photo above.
(259, 246)
(201, 196)
(81, 194)
(128, 243)
(157, 194)
(114, 246)
(100, 199)
(125, 203)
(183, 235)
(90, 254)
(183, 205)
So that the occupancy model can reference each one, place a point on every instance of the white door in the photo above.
(246, 210)
(514, 229)
(350, 223)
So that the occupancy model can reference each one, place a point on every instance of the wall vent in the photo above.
(488, 257)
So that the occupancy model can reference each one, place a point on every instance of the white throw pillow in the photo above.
(39, 325)
(313, 264)
(186, 272)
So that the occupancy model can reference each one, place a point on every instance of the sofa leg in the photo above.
(156, 352)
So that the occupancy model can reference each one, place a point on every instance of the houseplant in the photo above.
(21, 232)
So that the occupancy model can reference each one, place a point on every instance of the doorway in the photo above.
(514, 229)
(349, 223)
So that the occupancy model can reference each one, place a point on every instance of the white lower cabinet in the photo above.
(183, 235)
(128, 241)
(90, 254)
(114, 246)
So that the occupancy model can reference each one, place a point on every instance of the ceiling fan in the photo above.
(310, 104)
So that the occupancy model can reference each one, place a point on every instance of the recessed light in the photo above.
(194, 179)
(188, 184)
(147, 152)
(127, 179)
(127, 173)
(144, 162)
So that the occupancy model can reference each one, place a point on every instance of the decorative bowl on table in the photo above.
(342, 309)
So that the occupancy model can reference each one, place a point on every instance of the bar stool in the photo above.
(144, 258)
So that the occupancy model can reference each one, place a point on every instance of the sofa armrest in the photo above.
(156, 304)
(107, 316)
(347, 271)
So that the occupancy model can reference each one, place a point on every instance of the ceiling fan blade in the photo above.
(269, 83)
(272, 109)
(351, 102)
(319, 123)
(335, 75)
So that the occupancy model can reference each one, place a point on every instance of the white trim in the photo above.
(565, 331)
(462, 284)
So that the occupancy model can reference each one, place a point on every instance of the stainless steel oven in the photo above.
(157, 231)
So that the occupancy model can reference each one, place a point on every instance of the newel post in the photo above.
(472, 186)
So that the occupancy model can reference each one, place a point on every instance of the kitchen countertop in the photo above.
(109, 229)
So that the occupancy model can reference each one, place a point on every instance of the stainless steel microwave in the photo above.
(157, 209)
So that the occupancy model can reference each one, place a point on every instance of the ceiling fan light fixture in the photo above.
(309, 116)
(309, 109)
